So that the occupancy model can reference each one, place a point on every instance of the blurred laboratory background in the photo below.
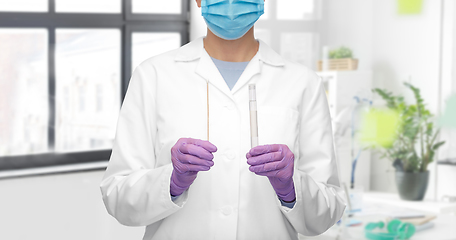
(65, 67)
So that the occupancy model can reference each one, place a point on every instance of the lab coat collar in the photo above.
(208, 71)
(194, 50)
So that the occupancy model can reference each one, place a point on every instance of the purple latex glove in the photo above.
(276, 162)
(189, 156)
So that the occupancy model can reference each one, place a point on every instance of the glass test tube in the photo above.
(253, 116)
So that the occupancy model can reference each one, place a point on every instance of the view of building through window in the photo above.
(69, 102)
(88, 6)
(157, 7)
(24, 5)
(292, 31)
(87, 61)
(146, 45)
(23, 91)
(287, 10)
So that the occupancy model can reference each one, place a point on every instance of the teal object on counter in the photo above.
(397, 230)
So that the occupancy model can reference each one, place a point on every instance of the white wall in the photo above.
(397, 48)
(447, 173)
(350, 23)
(407, 46)
(56, 207)
(448, 74)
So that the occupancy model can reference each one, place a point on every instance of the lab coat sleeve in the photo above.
(134, 191)
(320, 201)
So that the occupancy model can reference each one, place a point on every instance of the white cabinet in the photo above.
(342, 89)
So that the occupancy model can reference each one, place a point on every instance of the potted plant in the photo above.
(414, 146)
(340, 59)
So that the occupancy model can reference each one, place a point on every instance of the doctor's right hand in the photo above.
(189, 156)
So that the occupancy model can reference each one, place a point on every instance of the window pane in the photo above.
(24, 5)
(267, 8)
(23, 91)
(300, 47)
(157, 6)
(88, 6)
(87, 88)
(295, 9)
(263, 34)
(146, 45)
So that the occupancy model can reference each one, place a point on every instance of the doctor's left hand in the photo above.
(277, 163)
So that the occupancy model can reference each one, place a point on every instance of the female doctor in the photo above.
(164, 173)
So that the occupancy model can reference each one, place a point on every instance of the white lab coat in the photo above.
(166, 100)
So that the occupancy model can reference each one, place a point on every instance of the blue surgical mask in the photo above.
(231, 19)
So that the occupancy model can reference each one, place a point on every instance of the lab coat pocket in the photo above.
(277, 125)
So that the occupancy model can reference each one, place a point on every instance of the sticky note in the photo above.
(379, 127)
(410, 6)
(448, 119)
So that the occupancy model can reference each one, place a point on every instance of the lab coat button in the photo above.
(230, 155)
(229, 107)
(226, 211)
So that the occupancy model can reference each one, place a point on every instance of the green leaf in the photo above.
(429, 129)
(387, 96)
(437, 145)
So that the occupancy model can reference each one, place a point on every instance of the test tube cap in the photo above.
(252, 92)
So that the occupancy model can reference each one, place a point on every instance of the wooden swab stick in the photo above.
(207, 110)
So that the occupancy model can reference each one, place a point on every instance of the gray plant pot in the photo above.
(412, 186)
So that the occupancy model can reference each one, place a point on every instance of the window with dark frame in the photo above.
(64, 71)
(294, 32)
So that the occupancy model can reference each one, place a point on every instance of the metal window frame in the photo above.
(311, 23)
(127, 23)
